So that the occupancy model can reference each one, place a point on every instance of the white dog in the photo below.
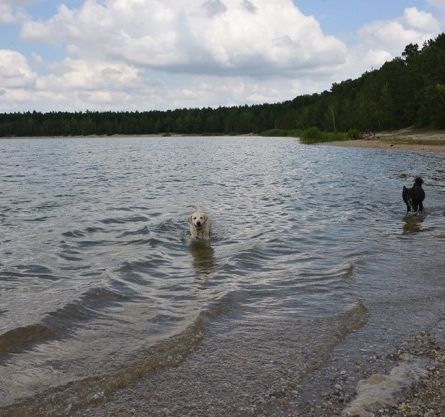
(199, 223)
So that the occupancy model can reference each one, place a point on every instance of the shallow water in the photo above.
(98, 276)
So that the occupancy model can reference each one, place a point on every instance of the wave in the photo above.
(20, 337)
(167, 353)
(28, 271)
(121, 220)
(59, 323)
(74, 233)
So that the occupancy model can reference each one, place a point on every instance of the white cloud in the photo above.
(421, 21)
(94, 84)
(14, 70)
(6, 13)
(229, 37)
(89, 75)
(392, 36)
(11, 11)
(437, 3)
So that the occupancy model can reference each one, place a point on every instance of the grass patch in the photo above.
(315, 135)
(311, 135)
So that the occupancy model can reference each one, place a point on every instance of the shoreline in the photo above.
(428, 141)
(405, 139)
(406, 381)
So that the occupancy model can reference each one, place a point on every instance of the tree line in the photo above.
(406, 91)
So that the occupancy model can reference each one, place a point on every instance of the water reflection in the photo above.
(413, 223)
(203, 257)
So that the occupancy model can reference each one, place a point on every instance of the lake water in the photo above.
(100, 283)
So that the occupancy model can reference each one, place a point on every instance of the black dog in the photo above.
(413, 197)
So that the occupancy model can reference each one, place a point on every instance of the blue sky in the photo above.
(160, 54)
(47, 8)
(347, 16)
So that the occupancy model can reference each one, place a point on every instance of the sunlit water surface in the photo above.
(97, 271)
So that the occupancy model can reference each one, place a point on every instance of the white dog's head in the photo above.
(199, 223)
(198, 218)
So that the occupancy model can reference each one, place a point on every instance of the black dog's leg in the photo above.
(420, 206)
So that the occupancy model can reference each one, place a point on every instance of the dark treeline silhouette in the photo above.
(407, 91)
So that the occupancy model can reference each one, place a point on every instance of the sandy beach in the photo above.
(404, 139)
(407, 382)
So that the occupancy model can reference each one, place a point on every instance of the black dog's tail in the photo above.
(405, 194)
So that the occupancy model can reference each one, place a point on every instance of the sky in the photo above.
(126, 55)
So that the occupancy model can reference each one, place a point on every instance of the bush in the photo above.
(353, 133)
(312, 133)
(315, 135)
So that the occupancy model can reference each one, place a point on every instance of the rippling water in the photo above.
(98, 276)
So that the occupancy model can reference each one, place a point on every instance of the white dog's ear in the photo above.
(189, 219)
(205, 217)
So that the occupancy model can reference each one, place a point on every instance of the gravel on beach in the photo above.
(421, 397)
(424, 397)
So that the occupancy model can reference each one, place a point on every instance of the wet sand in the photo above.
(405, 139)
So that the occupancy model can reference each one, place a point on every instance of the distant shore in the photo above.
(405, 139)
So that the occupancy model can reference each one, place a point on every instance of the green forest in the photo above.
(407, 91)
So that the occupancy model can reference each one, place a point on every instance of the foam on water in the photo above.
(380, 390)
